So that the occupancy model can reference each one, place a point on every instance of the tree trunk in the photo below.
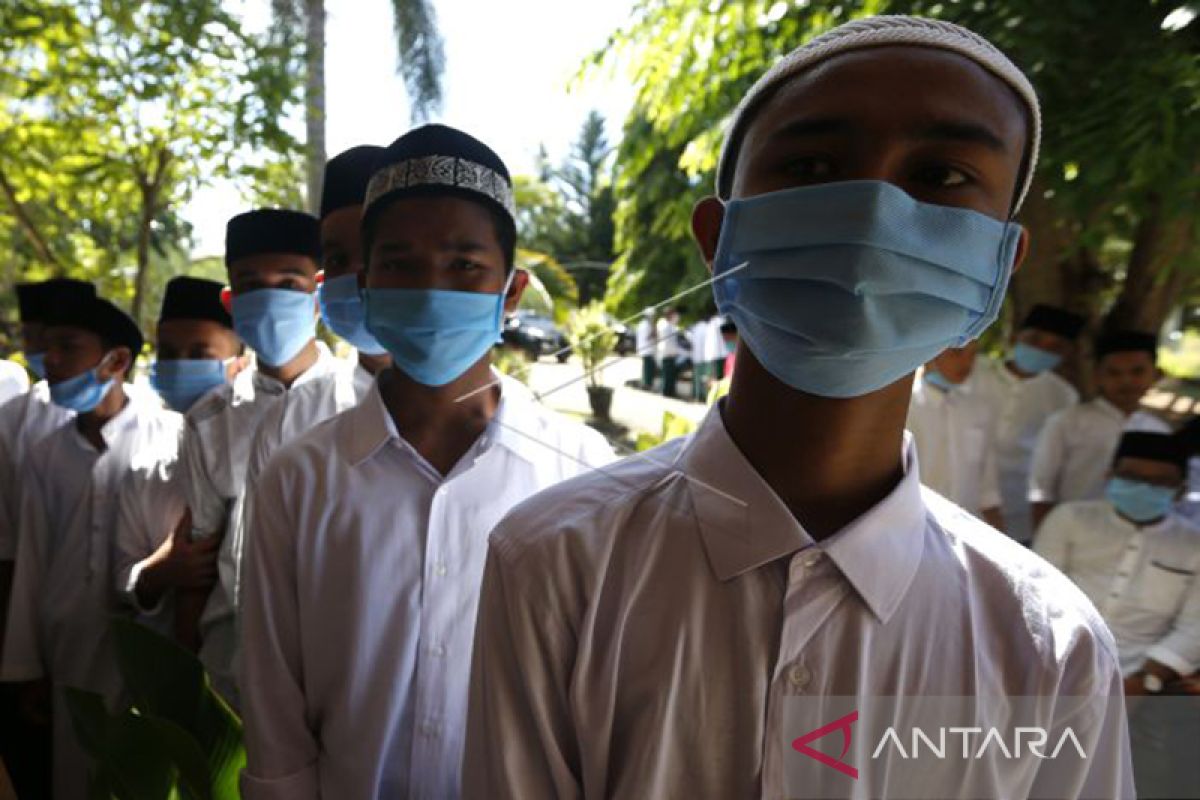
(27, 225)
(314, 98)
(149, 201)
(1153, 276)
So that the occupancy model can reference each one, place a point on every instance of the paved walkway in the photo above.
(563, 388)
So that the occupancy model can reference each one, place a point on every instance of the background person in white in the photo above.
(363, 568)
(24, 420)
(1026, 391)
(1137, 560)
(646, 348)
(271, 256)
(13, 380)
(59, 616)
(698, 335)
(667, 332)
(196, 352)
(1075, 448)
(955, 435)
(640, 630)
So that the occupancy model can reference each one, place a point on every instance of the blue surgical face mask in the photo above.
(1140, 502)
(37, 364)
(848, 287)
(82, 393)
(181, 382)
(935, 378)
(344, 312)
(1034, 360)
(276, 323)
(435, 335)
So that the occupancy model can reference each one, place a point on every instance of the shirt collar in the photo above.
(515, 425)
(745, 525)
(325, 363)
(123, 421)
(1107, 408)
(1148, 530)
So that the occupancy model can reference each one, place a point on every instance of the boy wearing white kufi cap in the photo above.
(697, 620)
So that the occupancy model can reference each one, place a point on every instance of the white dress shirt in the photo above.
(13, 380)
(644, 337)
(150, 504)
(1024, 406)
(362, 577)
(215, 455)
(1142, 580)
(955, 436)
(58, 616)
(1075, 450)
(24, 420)
(641, 630)
(668, 339)
(698, 333)
(714, 343)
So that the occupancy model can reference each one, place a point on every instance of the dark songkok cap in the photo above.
(439, 160)
(36, 300)
(346, 177)
(102, 318)
(1127, 342)
(1154, 447)
(272, 230)
(194, 298)
(1055, 320)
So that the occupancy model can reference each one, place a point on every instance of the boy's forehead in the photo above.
(893, 86)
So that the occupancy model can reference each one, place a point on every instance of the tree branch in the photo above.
(27, 224)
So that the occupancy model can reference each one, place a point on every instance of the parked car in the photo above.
(535, 334)
(626, 340)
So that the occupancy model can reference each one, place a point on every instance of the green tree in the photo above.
(115, 113)
(567, 211)
(1114, 212)
(421, 64)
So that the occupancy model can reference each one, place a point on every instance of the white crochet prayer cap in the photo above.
(879, 32)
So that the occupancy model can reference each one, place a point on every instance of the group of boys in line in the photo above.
(413, 580)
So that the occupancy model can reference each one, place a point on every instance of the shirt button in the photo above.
(440, 569)
(799, 676)
(809, 560)
(439, 650)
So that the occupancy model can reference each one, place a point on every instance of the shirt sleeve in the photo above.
(1053, 539)
(1180, 649)
(520, 742)
(10, 499)
(1090, 703)
(989, 490)
(21, 654)
(281, 748)
(209, 508)
(1045, 473)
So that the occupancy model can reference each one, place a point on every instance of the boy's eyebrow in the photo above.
(965, 132)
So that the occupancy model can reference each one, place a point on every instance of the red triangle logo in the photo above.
(800, 745)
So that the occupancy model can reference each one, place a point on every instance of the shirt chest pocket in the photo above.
(1164, 587)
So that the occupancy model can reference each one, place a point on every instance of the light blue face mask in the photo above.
(1034, 360)
(343, 310)
(276, 323)
(435, 335)
(37, 364)
(181, 382)
(935, 378)
(1140, 502)
(848, 287)
(82, 393)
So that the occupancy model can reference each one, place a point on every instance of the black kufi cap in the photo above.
(1127, 342)
(102, 318)
(438, 159)
(1055, 320)
(1154, 447)
(194, 298)
(272, 230)
(346, 177)
(35, 301)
